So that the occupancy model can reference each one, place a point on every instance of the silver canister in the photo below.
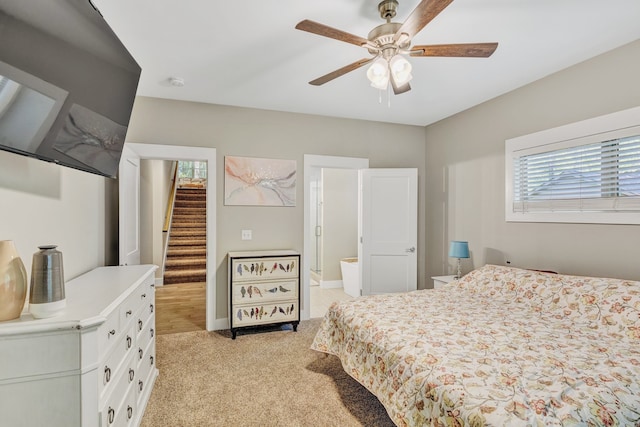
(46, 297)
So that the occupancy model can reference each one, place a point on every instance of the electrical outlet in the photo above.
(246, 234)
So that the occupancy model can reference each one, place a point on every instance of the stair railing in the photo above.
(172, 197)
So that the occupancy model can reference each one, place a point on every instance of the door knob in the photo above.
(412, 249)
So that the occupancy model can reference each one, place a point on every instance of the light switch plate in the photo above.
(246, 235)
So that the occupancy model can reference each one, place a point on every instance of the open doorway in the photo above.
(334, 235)
(129, 184)
(312, 256)
(173, 237)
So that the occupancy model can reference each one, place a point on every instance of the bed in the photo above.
(500, 347)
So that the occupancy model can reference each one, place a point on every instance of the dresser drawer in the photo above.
(143, 317)
(252, 269)
(113, 412)
(145, 369)
(129, 408)
(133, 304)
(115, 362)
(108, 332)
(260, 292)
(147, 334)
(247, 315)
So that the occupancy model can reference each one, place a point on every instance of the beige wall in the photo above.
(43, 203)
(155, 186)
(339, 219)
(260, 133)
(465, 175)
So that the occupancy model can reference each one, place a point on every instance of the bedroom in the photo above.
(81, 216)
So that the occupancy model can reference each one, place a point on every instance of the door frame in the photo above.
(174, 152)
(317, 161)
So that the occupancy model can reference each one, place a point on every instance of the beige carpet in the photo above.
(260, 379)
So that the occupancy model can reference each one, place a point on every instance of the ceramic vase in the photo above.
(13, 281)
(47, 296)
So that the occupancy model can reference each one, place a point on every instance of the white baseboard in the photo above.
(328, 284)
(159, 281)
(221, 324)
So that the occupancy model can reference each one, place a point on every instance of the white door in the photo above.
(129, 212)
(388, 226)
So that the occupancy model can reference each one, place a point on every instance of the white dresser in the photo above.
(264, 288)
(91, 366)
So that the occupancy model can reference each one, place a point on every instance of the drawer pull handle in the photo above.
(132, 374)
(152, 332)
(107, 374)
(153, 285)
(128, 342)
(151, 360)
(144, 295)
(128, 313)
(139, 324)
(151, 308)
(112, 332)
(111, 415)
(140, 353)
(140, 385)
(129, 412)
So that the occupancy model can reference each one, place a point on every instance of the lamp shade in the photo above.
(459, 249)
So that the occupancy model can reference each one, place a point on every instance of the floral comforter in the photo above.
(500, 347)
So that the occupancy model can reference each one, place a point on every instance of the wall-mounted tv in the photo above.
(67, 84)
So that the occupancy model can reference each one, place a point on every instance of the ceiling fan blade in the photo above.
(340, 72)
(421, 16)
(399, 89)
(332, 33)
(475, 50)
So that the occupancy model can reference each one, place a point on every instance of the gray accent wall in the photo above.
(465, 190)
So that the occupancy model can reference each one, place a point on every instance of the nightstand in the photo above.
(440, 281)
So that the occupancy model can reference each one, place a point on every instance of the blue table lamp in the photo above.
(459, 249)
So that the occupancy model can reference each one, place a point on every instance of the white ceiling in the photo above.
(248, 53)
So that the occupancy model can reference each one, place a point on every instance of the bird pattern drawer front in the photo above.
(265, 313)
(261, 292)
(253, 269)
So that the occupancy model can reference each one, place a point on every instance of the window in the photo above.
(586, 172)
(192, 170)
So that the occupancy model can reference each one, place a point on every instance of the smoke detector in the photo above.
(176, 81)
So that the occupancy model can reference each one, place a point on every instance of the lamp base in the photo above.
(459, 274)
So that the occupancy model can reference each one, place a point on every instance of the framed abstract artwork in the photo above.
(250, 181)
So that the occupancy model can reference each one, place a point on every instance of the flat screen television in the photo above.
(67, 84)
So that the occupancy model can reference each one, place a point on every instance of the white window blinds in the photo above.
(600, 176)
(582, 172)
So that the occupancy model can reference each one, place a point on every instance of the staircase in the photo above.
(187, 252)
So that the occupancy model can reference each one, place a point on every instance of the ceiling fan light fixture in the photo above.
(378, 74)
(400, 69)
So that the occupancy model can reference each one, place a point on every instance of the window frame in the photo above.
(598, 129)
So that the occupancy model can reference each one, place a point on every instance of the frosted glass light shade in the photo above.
(378, 74)
(400, 70)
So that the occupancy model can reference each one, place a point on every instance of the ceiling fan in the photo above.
(389, 42)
